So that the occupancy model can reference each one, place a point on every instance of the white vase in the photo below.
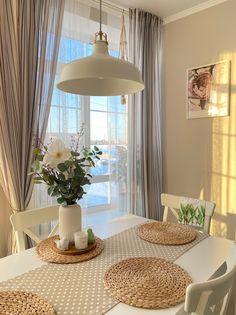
(69, 221)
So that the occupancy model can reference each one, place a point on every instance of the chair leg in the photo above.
(20, 241)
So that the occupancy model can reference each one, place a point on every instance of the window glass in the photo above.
(104, 120)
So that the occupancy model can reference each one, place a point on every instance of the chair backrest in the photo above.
(212, 297)
(23, 221)
(172, 204)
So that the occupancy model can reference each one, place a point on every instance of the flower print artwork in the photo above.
(208, 90)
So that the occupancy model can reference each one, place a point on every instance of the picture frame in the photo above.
(208, 90)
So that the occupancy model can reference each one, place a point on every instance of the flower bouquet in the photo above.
(65, 171)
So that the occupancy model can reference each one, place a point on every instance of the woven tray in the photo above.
(147, 282)
(166, 233)
(25, 303)
(72, 250)
(46, 252)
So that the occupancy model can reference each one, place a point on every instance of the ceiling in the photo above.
(162, 8)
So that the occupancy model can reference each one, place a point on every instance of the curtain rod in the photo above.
(113, 6)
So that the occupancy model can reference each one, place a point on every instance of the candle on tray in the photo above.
(62, 244)
(81, 239)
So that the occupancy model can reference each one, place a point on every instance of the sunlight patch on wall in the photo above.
(219, 88)
(223, 180)
(201, 195)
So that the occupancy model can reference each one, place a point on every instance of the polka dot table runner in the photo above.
(78, 288)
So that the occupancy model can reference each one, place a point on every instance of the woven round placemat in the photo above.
(46, 252)
(166, 233)
(147, 282)
(24, 303)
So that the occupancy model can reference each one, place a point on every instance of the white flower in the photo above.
(57, 153)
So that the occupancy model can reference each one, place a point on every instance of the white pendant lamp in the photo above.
(100, 74)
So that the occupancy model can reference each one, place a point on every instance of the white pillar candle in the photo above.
(81, 239)
(62, 244)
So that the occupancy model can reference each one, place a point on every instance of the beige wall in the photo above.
(200, 154)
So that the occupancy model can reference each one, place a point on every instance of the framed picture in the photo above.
(208, 90)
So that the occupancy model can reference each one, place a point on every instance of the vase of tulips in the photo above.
(65, 171)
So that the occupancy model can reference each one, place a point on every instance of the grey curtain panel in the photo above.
(29, 42)
(145, 117)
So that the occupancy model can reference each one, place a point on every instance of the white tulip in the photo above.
(57, 153)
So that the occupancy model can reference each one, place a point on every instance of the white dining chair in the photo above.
(171, 205)
(23, 221)
(212, 297)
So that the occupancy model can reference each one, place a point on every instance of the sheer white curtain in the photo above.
(104, 118)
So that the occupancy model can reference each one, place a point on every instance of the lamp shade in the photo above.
(100, 75)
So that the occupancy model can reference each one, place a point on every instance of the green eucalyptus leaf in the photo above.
(37, 182)
(36, 166)
(51, 179)
(81, 160)
(40, 157)
(69, 163)
(62, 167)
(61, 176)
(74, 153)
(45, 171)
(46, 178)
(61, 200)
(62, 188)
(36, 151)
(55, 193)
(50, 190)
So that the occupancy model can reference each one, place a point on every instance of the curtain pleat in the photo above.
(29, 41)
(145, 117)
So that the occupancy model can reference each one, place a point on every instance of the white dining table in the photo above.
(201, 262)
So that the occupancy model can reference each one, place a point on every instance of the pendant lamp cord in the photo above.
(100, 16)
(123, 52)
